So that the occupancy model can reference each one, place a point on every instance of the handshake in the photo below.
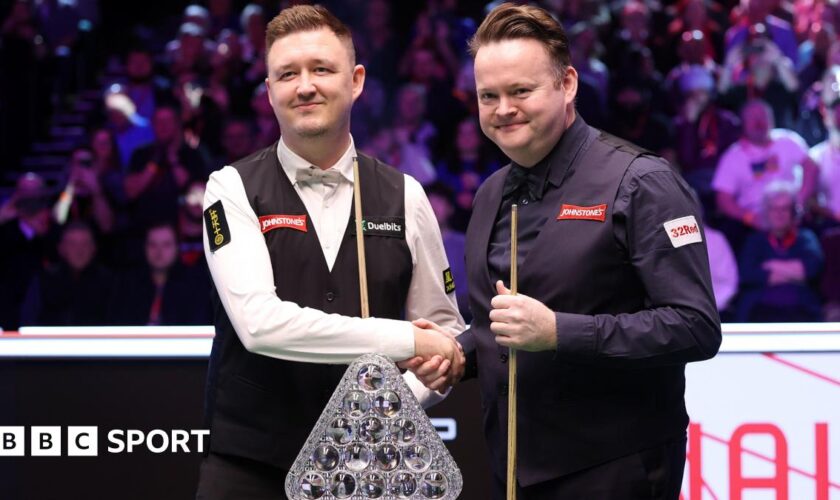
(438, 360)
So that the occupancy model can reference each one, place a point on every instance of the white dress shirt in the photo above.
(267, 325)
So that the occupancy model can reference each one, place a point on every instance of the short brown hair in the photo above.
(307, 18)
(509, 21)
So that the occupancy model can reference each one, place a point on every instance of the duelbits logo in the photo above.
(83, 441)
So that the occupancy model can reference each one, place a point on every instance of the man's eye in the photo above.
(287, 75)
(521, 92)
(487, 97)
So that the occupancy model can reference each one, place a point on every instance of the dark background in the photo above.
(146, 395)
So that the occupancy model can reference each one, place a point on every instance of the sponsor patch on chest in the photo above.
(271, 222)
(683, 231)
(575, 212)
(392, 227)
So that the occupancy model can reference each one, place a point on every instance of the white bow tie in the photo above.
(315, 175)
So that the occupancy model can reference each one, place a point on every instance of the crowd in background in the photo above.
(743, 98)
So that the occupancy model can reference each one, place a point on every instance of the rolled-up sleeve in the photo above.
(680, 322)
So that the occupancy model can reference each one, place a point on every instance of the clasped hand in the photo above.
(439, 359)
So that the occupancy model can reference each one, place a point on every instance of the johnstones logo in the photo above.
(571, 212)
(269, 222)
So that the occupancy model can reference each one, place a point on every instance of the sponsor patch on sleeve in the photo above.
(392, 227)
(683, 231)
(218, 232)
(448, 280)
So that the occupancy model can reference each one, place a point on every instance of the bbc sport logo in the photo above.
(83, 441)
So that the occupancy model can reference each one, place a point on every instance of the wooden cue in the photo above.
(360, 240)
(511, 448)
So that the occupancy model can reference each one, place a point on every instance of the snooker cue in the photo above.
(360, 240)
(511, 444)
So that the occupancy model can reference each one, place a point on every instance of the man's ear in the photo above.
(358, 80)
(268, 91)
(570, 83)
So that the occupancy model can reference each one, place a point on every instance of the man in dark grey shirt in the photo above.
(615, 293)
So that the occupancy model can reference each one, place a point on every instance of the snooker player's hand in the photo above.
(439, 361)
(522, 323)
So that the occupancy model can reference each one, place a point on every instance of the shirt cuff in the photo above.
(397, 339)
(576, 336)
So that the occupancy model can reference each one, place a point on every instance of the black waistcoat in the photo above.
(570, 415)
(263, 408)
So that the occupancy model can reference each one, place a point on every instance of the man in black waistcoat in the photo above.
(615, 293)
(280, 245)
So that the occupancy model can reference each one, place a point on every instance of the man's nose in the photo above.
(505, 108)
(306, 88)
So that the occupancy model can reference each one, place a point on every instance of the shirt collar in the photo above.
(291, 162)
(553, 167)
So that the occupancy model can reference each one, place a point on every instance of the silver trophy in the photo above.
(373, 440)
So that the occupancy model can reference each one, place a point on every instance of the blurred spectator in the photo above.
(106, 155)
(452, 27)
(637, 69)
(190, 52)
(378, 49)
(410, 124)
(238, 135)
(370, 110)
(454, 243)
(84, 197)
(634, 30)
(814, 53)
(830, 286)
(202, 107)
(585, 51)
(71, 292)
(464, 90)
(162, 292)
(431, 42)
(230, 69)
(757, 69)
(703, 131)
(634, 119)
(761, 156)
(130, 130)
(694, 15)
(405, 156)
(827, 153)
(191, 224)
(199, 16)
(465, 167)
(593, 75)
(26, 244)
(252, 22)
(160, 171)
(421, 65)
(222, 16)
(571, 12)
(759, 12)
(143, 87)
(723, 267)
(268, 131)
(779, 268)
(693, 52)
